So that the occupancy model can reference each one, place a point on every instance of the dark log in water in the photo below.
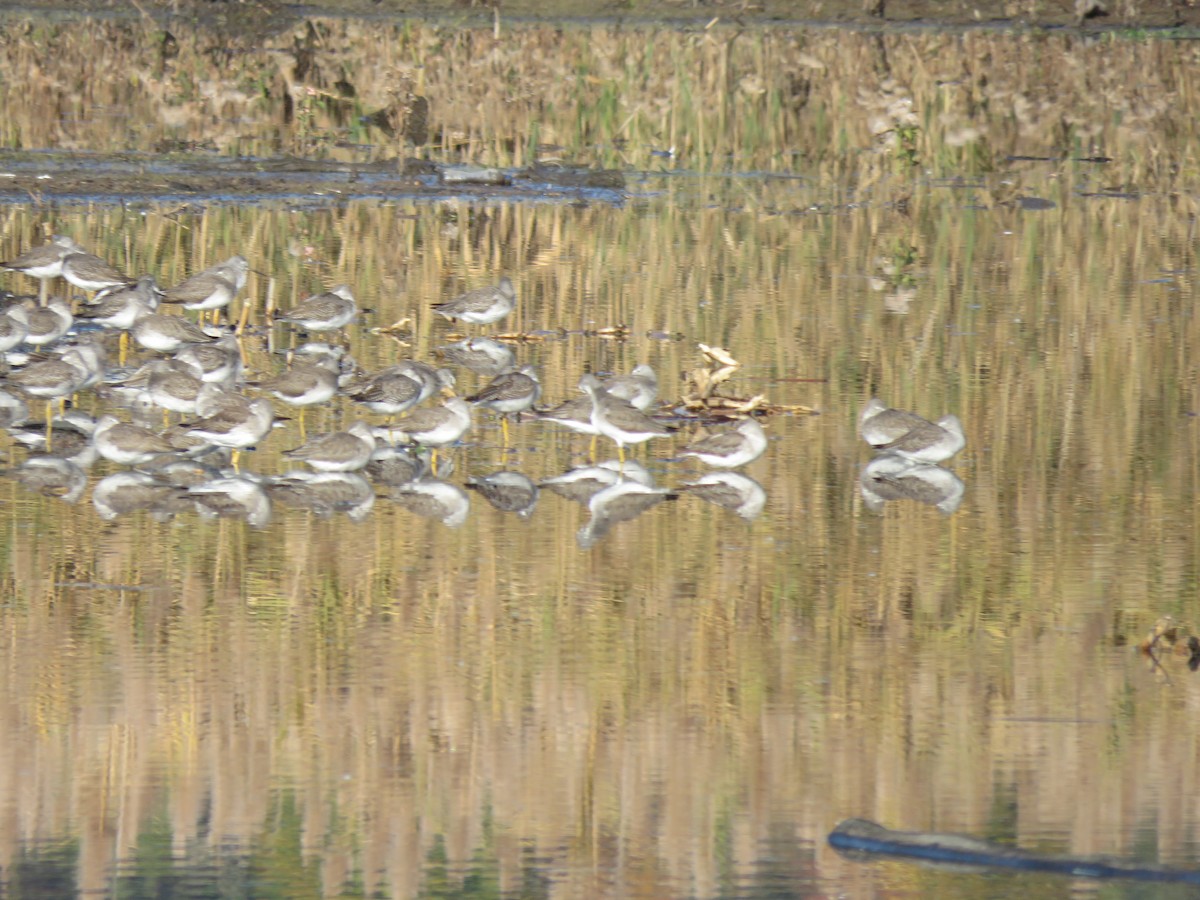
(861, 839)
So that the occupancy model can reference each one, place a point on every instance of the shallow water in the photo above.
(686, 707)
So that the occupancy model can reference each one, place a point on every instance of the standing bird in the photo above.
(481, 306)
(908, 435)
(434, 428)
(54, 379)
(127, 445)
(166, 334)
(618, 420)
(45, 262)
(217, 363)
(510, 393)
(639, 387)
(932, 442)
(234, 423)
(389, 392)
(46, 324)
(14, 326)
(879, 424)
(304, 384)
(121, 308)
(173, 387)
(730, 449)
(339, 451)
(214, 288)
(576, 415)
(329, 311)
(91, 273)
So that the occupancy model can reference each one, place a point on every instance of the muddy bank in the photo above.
(246, 22)
(179, 178)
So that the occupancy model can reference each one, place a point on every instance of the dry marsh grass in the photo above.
(859, 108)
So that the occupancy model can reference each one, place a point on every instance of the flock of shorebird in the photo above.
(196, 369)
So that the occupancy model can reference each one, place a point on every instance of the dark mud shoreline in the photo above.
(245, 19)
(185, 179)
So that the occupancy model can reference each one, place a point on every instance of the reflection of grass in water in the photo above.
(412, 657)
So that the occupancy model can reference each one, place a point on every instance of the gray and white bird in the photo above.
(639, 388)
(91, 273)
(338, 451)
(481, 306)
(44, 262)
(213, 288)
(730, 449)
(510, 393)
(909, 435)
(618, 420)
(329, 311)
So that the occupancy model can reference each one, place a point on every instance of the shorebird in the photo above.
(234, 423)
(730, 490)
(46, 324)
(45, 262)
(879, 424)
(127, 445)
(329, 311)
(434, 428)
(730, 449)
(304, 384)
(389, 392)
(639, 388)
(431, 380)
(339, 451)
(908, 435)
(91, 273)
(481, 306)
(617, 420)
(167, 334)
(54, 379)
(14, 325)
(213, 288)
(217, 363)
(170, 385)
(509, 394)
(120, 309)
(575, 414)
(932, 443)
